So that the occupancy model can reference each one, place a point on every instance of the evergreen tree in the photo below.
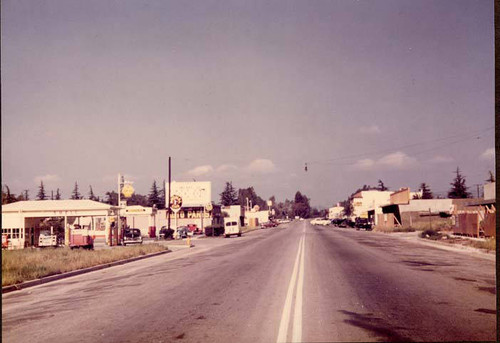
(76, 194)
(112, 198)
(381, 186)
(91, 194)
(229, 196)
(41, 192)
(458, 189)
(154, 196)
(26, 195)
(7, 196)
(426, 192)
(162, 194)
(58, 195)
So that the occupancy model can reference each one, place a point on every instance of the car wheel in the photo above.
(227, 236)
(239, 235)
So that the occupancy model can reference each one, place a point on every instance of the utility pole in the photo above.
(167, 203)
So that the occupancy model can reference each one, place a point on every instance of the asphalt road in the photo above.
(293, 283)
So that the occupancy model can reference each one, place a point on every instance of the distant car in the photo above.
(266, 225)
(166, 233)
(132, 236)
(362, 223)
(320, 221)
(182, 231)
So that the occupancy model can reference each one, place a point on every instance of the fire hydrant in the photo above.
(188, 241)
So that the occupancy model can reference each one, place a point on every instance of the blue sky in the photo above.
(248, 92)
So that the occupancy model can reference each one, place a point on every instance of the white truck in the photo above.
(47, 239)
(232, 227)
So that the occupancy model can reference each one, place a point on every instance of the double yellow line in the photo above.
(296, 280)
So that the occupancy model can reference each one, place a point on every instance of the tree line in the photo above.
(156, 196)
(299, 206)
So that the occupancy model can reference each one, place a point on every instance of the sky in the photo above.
(247, 92)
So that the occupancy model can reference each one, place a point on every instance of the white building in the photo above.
(335, 212)
(365, 201)
(21, 221)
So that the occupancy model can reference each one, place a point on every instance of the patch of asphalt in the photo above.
(50, 278)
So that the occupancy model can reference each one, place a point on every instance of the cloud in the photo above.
(201, 170)
(373, 129)
(226, 167)
(49, 179)
(364, 164)
(488, 154)
(441, 159)
(396, 160)
(261, 166)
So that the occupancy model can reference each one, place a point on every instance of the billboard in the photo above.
(192, 193)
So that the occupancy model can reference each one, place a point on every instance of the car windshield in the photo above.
(132, 232)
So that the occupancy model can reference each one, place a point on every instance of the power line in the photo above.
(379, 152)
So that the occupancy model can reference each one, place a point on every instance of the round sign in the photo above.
(175, 202)
(127, 191)
(208, 207)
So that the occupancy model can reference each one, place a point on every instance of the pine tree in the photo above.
(76, 194)
(426, 192)
(58, 195)
(154, 196)
(381, 186)
(41, 192)
(91, 194)
(458, 189)
(229, 196)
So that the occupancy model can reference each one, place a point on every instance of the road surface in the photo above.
(297, 282)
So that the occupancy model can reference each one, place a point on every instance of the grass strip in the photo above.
(29, 264)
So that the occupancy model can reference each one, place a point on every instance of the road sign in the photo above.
(208, 207)
(175, 203)
(127, 191)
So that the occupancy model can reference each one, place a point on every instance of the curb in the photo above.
(36, 282)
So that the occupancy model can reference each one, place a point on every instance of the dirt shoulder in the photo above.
(450, 243)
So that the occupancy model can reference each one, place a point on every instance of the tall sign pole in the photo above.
(120, 184)
(168, 199)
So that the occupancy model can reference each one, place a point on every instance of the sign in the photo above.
(175, 203)
(208, 207)
(192, 193)
(127, 191)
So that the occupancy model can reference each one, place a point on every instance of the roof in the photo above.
(483, 202)
(55, 205)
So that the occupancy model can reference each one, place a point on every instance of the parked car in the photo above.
(266, 225)
(166, 233)
(346, 223)
(132, 236)
(182, 231)
(363, 223)
(320, 221)
(46, 239)
(194, 229)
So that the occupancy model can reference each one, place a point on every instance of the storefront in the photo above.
(22, 221)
